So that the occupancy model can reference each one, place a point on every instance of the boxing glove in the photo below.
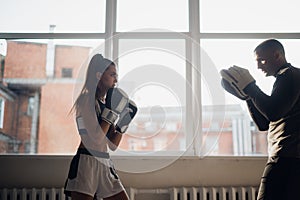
(238, 77)
(115, 102)
(233, 90)
(126, 117)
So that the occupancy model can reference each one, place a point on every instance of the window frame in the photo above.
(192, 45)
(2, 108)
(67, 72)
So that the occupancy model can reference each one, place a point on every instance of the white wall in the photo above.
(50, 171)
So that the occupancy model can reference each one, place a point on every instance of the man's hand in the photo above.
(233, 90)
(235, 80)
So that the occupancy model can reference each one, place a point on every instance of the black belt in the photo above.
(92, 153)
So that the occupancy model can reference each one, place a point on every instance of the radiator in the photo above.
(32, 194)
(174, 193)
(195, 193)
(214, 193)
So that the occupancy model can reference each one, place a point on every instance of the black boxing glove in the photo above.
(126, 117)
(115, 102)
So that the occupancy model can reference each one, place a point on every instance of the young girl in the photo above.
(97, 108)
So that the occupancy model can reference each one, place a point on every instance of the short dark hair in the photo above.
(270, 44)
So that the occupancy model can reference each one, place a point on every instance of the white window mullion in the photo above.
(110, 27)
(2, 103)
(194, 111)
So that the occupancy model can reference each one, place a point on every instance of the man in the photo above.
(278, 113)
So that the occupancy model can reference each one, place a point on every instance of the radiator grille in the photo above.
(174, 193)
(195, 193)
(32, 194)
(213, 193)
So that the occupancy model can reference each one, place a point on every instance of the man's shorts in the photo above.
(93, 173)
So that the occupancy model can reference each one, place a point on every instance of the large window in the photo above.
(168, 53)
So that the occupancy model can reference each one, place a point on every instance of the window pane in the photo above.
(239, 135)
(34, 84)
(152, 72)
(249, 16)
(233, 131)
(67, 15)
(169, 15)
